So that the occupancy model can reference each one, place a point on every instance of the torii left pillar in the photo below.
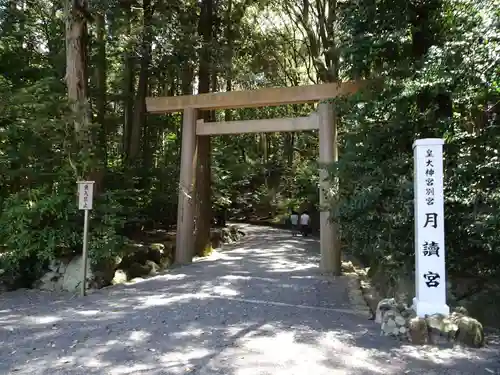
(330, 262)
(185, 210)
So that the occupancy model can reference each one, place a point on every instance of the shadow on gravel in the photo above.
(256, 307)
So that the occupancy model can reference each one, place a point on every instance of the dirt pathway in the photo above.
(257, 307)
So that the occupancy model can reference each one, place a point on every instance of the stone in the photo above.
(156, 252)
(441, 329)
(73, 275)
(137, 270)
(135, 253)
(155, 268)
(165, 263)
(383, 329)
(469, 330)
(54, 265)
(441, 323)
(383, 306)
(400, 321)
(119, 278)
(461, 310)
(50, 281)
(104, 272)
(225, 235)
(348, 267)
(169, 251)
(408, 313)
(393, 324)
(396, 318)
(233, 229)
(157, 246)
(417, 331)
(391, 313)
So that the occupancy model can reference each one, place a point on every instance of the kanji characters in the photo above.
(431, 248)
(432, 279)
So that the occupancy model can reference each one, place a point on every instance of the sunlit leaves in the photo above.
(375, 168)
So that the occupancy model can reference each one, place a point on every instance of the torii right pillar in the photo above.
(330, 262)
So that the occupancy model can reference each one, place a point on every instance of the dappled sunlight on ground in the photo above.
(253, 308)
(298, 350)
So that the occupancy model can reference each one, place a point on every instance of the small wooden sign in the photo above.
(85, 194)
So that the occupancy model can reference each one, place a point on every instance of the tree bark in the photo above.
(139, 121)
(228, 115)
(77, 85)
(101, 68)
(203, 170)
(76, 63)
(128, 88)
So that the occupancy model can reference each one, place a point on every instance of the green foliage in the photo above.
(257, 176)
(450, 91)
(39, 220)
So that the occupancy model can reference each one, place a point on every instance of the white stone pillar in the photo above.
(430, 272)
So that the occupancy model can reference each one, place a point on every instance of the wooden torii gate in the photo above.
(323, 120)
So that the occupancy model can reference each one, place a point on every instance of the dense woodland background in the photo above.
(440, 65)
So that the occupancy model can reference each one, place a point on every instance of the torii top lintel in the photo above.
(254, 98)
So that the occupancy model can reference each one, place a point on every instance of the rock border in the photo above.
(139, 261)
(218, 237)
(402, 322)
(354, 290)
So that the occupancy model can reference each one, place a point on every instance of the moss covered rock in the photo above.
(455, 328)
(441, 328)
(383, 306)
(120, 277)
(155, 252)
(469, 330)
(154, 267)
(418, 333)
(137, 270)
(348, 267)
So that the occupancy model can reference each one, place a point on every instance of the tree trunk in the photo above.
(101, 86)
(228, 115)
(76, 62)
(289, 148)
(77, 83)
(139, 122)
(203, 170)
(128, 88)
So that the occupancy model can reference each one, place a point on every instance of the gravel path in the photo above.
(258, 307)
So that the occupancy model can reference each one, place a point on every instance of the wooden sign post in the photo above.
(85, 198)
(430, 272)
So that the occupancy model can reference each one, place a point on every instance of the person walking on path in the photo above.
(304, 223)
(294, 221)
